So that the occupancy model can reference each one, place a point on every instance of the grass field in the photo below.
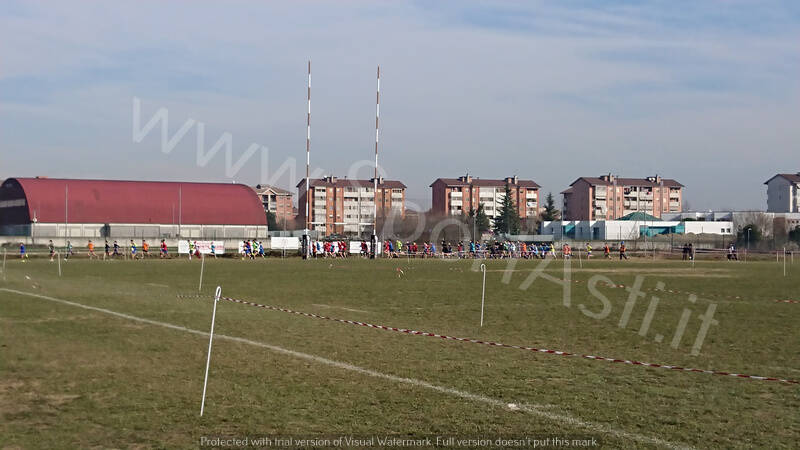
(77, 377)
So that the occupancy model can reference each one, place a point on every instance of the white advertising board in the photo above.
(203, 246)
(285, 243)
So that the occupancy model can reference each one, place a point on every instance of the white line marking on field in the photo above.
(339, 307)
(533, 409)
(158, 285)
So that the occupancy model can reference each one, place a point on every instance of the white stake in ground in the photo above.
(784, 261)
(217, 295)
(483, 290)
(202, 263)
(4, 264)
(58, 257)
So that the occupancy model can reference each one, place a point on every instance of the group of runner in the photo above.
(333, 249)
(111, 251)
(391, 249)
(493, 250)
(250, 249)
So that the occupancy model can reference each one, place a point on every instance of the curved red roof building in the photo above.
(54, 200)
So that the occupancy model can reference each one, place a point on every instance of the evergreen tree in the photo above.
(478, 221)
(550, 211)
(272, 221)
(507, 222)
(481, 220)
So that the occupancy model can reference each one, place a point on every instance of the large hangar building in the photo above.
(60, 209)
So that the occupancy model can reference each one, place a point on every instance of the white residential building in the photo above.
(783, 193)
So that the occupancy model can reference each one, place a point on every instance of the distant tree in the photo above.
(507, 222)
(755, 235)
(794, 235)
(272, 221)
(758, 222)
(481, 220)
(478, 222)
(550, 211)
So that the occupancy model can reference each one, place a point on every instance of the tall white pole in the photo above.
(483, 290)
(375, 177)
(210, 339)
(307, 251)
(784, 261)
(202, 264)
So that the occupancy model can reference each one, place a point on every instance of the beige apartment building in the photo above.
(609, 197)
(277, 201)
(347, 206)
(455, 196)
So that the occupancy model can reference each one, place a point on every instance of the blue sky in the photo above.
(704, 92)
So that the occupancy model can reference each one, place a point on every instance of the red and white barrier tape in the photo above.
(498, 344)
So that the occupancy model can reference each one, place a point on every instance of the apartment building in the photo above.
(610, 197)
(455, 196)
(277, 201)
(783, 193)
(346, 206)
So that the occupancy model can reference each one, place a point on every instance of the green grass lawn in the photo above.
(75, 377)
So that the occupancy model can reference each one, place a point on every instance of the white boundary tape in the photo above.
(537, 410)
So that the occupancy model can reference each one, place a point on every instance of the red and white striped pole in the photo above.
(375, 178)
(306, 239)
